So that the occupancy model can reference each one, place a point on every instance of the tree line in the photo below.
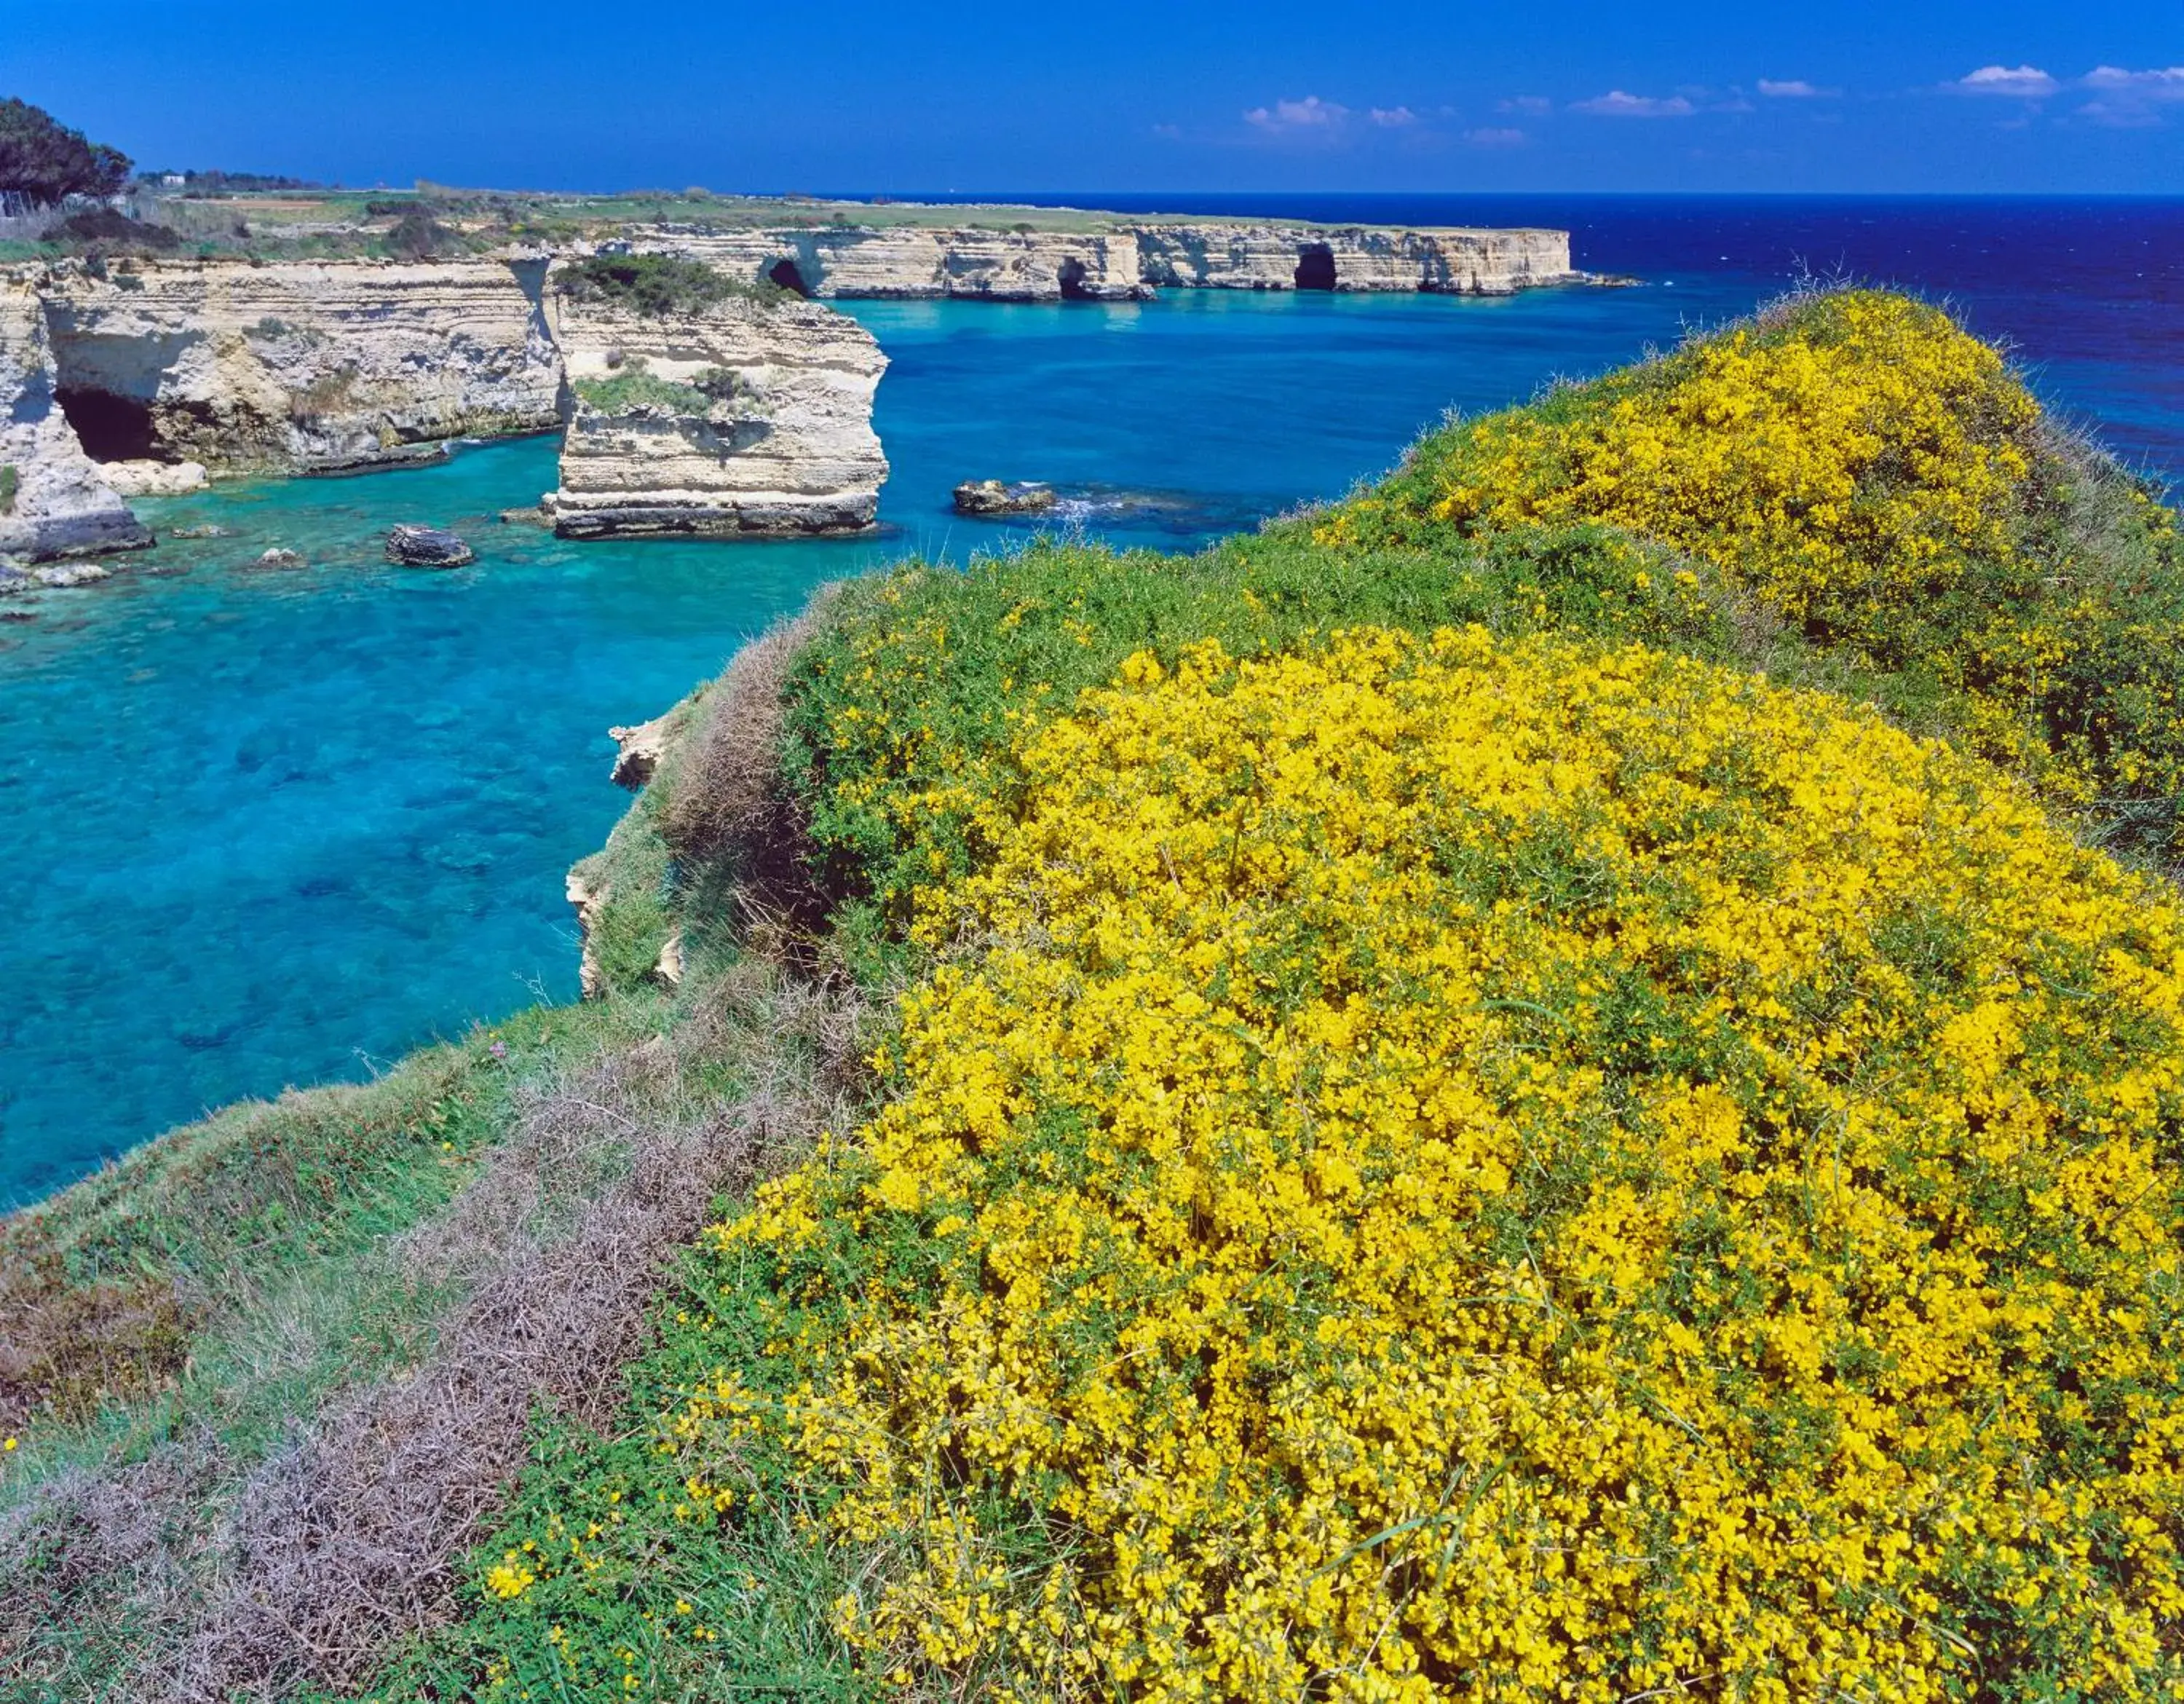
(44, 161)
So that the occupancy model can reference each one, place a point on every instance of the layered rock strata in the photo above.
(1471, 263)
(300, 366)
(747, 418)
(53, 501)
(850, 262)
(909, 261)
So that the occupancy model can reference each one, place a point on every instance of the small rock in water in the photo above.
(64, 575)
(999, 497)
(204, 532)
(278, 558)
(527, 518)
(427, 547)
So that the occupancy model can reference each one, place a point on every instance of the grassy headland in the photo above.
(1539, 1084)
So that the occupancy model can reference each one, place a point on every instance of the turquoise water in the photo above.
(271, 828)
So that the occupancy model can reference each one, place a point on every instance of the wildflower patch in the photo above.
(1441, 1169)
(1882, 479)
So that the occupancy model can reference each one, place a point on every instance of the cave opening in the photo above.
(789, 277)
(110, 427)
(1070, 275)
(1315, 267)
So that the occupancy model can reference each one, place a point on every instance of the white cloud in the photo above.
(2129, 100)
(1496, 137)
(1616, 104)
(1169, 132)
(1794, 89)
(1534, 106)
(1392, 118)
(2027, 82)
(1308, 116)
(2153, 86)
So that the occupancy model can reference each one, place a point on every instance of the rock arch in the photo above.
(1070, 275)
(1315, 266)
(786, 273)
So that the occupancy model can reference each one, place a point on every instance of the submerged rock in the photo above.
(67, 575)
(999, 497)
(428, 547)
(204, 532)
(279, 558)
(533, 517)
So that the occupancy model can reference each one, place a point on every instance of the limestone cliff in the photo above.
(745, 418)
(1243, 257)
(52, 502)
(848, 262)
(300, 366)
(856, 261)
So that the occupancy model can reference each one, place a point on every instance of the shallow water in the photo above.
(270, 827)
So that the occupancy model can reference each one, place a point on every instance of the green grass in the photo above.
(635, 386)
(173, 1320)
(10, 483)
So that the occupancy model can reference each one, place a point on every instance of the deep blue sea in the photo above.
(266, 828)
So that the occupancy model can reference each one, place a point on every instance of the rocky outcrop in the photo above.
(746, 418)
(1238, 257)
(1120, 264)
(427, 547)
(299, 366)
(913, 261)
(53, 500)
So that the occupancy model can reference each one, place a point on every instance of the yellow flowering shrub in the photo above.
(1881, 478)
(1441, 1169)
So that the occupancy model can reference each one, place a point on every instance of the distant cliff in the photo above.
(967, 262)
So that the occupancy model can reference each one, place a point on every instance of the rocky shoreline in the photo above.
(161, 369)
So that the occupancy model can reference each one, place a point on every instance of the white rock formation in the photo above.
(154, 479)
(301, 365)
(1239, 257)
(745, 418)
(53, 500)
(855, 261)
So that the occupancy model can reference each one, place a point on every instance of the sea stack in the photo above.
(746, 415)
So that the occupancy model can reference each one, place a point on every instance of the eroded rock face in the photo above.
(1122, 263)
(744, 419)
(53, 501)
(300, 366)
(855, 261)
(1479, 263)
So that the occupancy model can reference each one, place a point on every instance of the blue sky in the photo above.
(1844, 95)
